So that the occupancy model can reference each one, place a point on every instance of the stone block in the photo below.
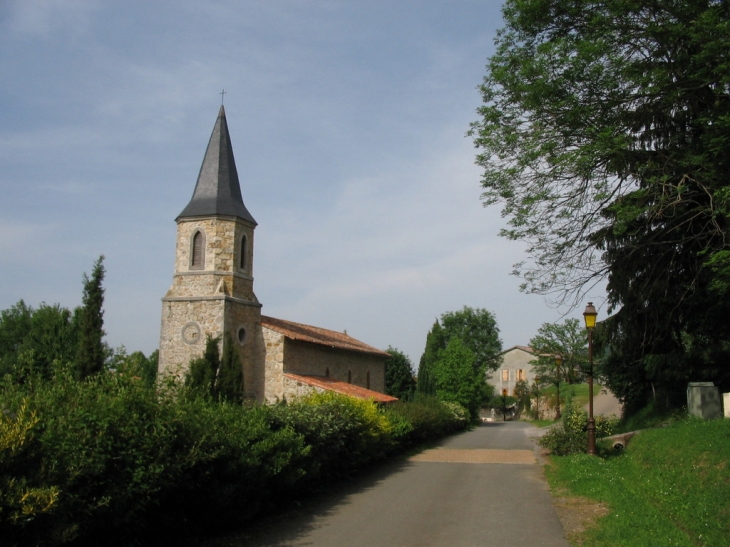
(703, 400)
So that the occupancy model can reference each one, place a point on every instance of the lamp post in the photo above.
(589, 315)
(558, 362)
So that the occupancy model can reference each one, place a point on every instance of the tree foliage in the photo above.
(435, 342)
(476, 329)
(456, 377)
(229, 384)
(604, 135)
(203, 370)
(91, 352)
(36, 338)
(567, 340)
(216, 376)
(399, 381)
(135, 364)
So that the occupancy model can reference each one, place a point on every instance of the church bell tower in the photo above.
(212, 287)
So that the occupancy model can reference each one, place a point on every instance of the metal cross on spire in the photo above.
(222, 94)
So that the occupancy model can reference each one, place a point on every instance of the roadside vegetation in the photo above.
(670, 487)
(112, 460)
(94, 450)
(460, 348)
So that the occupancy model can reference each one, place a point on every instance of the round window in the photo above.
(241, 335)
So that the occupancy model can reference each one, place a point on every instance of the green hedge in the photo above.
(112, 460)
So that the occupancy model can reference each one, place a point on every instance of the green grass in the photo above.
(671, 487)
(650, 416)
(579, 393)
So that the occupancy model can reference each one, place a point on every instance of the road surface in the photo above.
(479, 488)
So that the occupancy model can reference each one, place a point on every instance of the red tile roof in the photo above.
(344, 388)
(316, 335)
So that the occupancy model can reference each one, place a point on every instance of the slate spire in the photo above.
(218, 191)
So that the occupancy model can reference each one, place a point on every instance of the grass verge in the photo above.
(671, 487)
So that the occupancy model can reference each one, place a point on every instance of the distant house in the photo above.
(515, 366)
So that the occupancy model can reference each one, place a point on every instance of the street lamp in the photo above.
(558, 362)
(589, 315)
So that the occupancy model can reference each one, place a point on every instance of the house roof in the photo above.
(317, 335)
(218, 192)
(527, 349)
(344, 388)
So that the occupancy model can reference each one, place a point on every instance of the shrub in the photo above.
(22, 499)
(569, 436)
(343, 434)
(429, 418)
(112, 460)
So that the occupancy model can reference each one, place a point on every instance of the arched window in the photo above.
(197, 258)
(349, 376)
(327, 372)
(244, 251)
(367, 380)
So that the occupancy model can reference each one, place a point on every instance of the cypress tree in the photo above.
(229, 384)
(435, 343)
(90, 355)
(203, 371)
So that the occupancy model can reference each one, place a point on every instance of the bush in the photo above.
(111, 460)
(570, 436)
(429, 418)
(342, 434)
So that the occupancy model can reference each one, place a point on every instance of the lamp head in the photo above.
(589, 315)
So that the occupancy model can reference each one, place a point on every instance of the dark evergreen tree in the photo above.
(435, 342)
(203, 371)
(399, 381)
(229, 383)
(91, 352)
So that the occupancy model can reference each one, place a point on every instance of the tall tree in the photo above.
(203, 371)
(604, 134)
(567, 340)
(457, 378)
(91, 350)
(477, 330)
(435, 342)
(229, 383)
(399, 381)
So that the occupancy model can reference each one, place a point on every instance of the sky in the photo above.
(348, 122)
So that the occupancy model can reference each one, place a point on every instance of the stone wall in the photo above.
(273, 365)
(185, 325)
(213, 300)
(221, 272)
(314, 359)
(293, 388)
(285, 355)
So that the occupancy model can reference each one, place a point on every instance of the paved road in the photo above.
(450, 496)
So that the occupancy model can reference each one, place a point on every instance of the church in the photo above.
(212, 294)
